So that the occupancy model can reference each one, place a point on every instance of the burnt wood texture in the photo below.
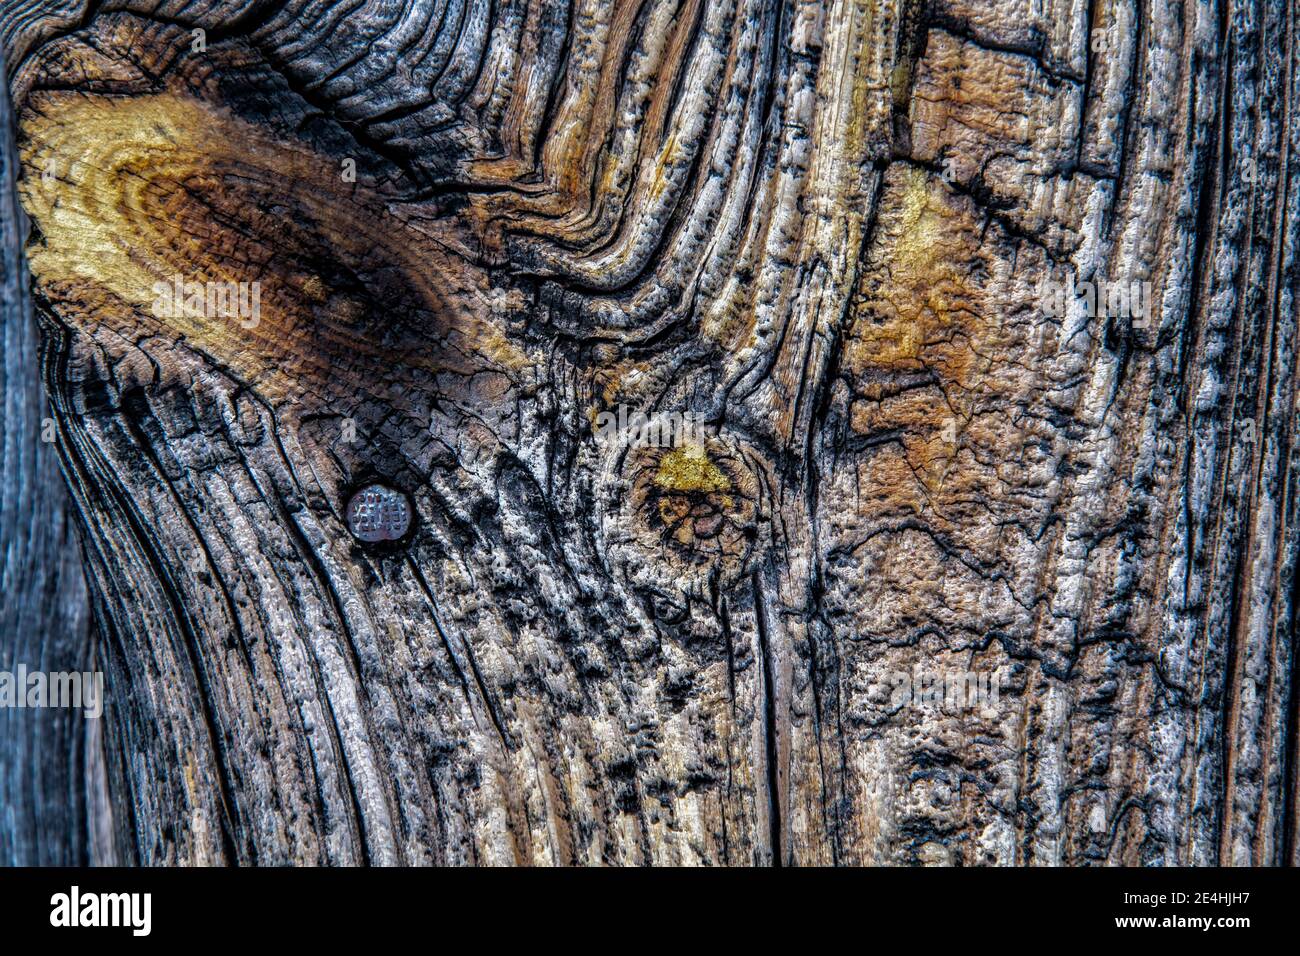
(464, 232)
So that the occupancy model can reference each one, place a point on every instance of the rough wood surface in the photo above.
(45, 806)
(823, 228)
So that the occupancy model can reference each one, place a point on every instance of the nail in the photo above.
(379, 513)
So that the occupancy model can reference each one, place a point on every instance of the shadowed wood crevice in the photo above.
(827, 232)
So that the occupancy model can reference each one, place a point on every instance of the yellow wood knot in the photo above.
(695, 504)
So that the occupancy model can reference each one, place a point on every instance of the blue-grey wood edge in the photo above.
(44, 610)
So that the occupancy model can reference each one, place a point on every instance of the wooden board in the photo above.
(828, 232)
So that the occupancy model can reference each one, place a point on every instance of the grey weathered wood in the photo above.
(823, 227)
(44, 610)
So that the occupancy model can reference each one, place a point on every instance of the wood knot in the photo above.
(694, 506)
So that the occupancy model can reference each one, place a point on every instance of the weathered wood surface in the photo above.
(44, 612)
(821, 227)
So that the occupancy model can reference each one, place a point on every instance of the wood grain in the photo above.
(823, 229)
(51, 797)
